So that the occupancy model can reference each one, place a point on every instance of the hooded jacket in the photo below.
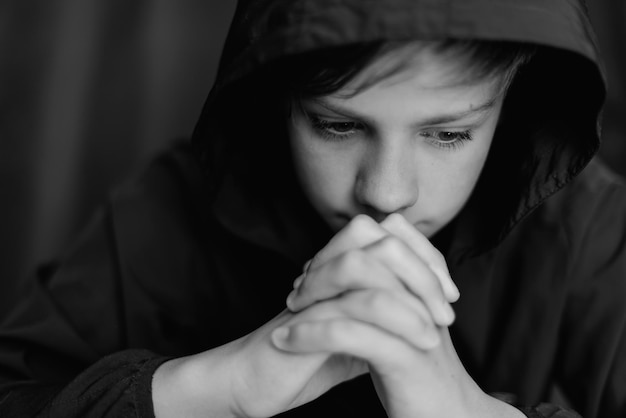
(204, 245)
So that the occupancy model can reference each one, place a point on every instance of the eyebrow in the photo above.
(431, 121)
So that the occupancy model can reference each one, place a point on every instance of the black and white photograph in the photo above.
(313, 208)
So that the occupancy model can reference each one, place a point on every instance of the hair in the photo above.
(292, 78)
(326, 71)
(265, 97)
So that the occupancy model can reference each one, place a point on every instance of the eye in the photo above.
(446, 136)
(335, 129)
(340, 127)
(446, 139)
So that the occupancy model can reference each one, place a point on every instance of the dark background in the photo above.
(90, 89)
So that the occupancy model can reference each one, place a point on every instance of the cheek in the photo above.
(451, 182)
(469, 168)
(446, 189)
(317, 176)
(324, 179)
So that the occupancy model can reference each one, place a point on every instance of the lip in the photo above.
(424, 226)
(342, 220)
(345, 218)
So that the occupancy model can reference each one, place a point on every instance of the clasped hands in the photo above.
(379, 294)
(376, 299)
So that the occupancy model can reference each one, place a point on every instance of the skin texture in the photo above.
(393, 326)
(354, 327)
(376, 299)
(389, 156)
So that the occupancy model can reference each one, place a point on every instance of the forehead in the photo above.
(424, 88)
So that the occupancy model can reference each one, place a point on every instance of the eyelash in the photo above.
(461, 137)
(324, 129)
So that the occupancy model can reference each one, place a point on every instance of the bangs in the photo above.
(325, 72)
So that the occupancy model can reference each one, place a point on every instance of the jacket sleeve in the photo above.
(52, 349)
(118, 385)
(542, 410)
(548, 411)
(83, 338)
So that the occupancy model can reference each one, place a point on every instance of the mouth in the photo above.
(340, 220)
(344, 218)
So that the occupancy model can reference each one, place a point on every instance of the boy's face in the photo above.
(413, 143)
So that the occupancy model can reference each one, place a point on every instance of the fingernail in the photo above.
(298, 281)
(279, 336)
(455, 294)
(290, 299)
(448, 314)
(452, 292)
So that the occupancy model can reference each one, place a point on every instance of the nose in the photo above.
(387, 180)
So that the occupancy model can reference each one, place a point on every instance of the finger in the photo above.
(396, 312)
(345, 336)
(300, 278)
(360, 231)
(415, 275)
(397, 225)
(385, 264)
(352, 270)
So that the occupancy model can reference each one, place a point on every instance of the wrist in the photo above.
(473, 402)
(194, 386)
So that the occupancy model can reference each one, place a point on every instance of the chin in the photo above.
(426, 228)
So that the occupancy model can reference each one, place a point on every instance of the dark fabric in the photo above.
(65, 112)
(147, 276)
(548, 411)
(539, 252)
(119, 385)
(550, 134)
(90, 89)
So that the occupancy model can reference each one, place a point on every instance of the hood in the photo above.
(551, 128)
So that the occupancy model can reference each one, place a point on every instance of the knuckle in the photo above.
(395, 219)
(339, 330)
(377, 301)
(351, 260)
(430, 286)
(391, 244)
(303, 333)
(438, 258)
(360, 223)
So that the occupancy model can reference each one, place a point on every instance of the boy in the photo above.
(403, 153)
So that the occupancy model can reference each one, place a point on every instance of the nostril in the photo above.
(374, 213)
